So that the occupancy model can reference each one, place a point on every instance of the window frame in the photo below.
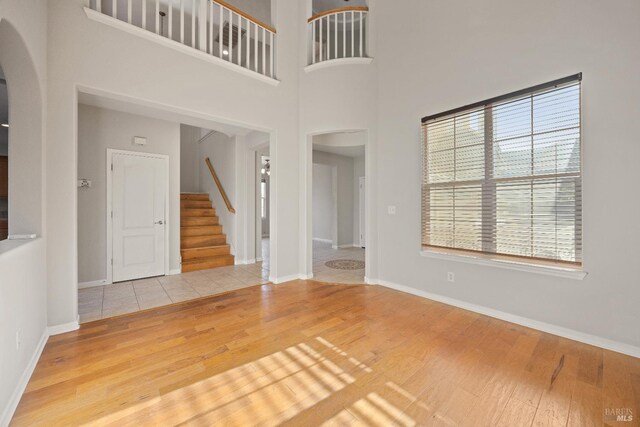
(488, 254)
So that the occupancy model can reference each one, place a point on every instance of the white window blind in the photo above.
(504, 176)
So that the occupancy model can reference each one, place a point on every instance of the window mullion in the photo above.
(488, 187)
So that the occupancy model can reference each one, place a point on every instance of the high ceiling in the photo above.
(320, 6)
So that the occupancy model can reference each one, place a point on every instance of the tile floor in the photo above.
(323, 252)
(121, 298)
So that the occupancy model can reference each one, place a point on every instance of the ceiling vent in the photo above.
(225, 35)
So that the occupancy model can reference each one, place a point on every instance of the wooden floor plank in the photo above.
(306, 353)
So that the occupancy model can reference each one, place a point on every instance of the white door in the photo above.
(363, 209)
(139, 221)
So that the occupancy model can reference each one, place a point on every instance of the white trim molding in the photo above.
(548, 270)
(245, 261)
(337, 62)
(175, 272)
(279, 280)
(560, 331)
(306, 276)
(317, 239)
(132, 29)
(93, 284)
(12, 404)
(64, 328)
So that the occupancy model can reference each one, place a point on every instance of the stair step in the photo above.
(203, 241)
(209, 251)
(200, 230)
(207, 262)
(197, 212)
(192, 221)
(187, 204)
(194, 196)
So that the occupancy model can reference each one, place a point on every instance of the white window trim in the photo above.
(490, 261)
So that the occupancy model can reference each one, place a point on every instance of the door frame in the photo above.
(165, 158)
(362, 210)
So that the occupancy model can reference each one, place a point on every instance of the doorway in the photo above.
(338, 206)
(138, 224)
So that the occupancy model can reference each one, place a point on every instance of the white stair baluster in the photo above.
(170, 20)
(353, 34)
(361, 34)
(271, 54)
(255, 53)
(220, 44)
(231, 13)
(313, 42)
(182, 21)
(193, 23)
(264, 51)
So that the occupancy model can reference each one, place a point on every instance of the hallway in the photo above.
(344, 266)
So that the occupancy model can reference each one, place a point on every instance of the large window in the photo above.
(503, 176)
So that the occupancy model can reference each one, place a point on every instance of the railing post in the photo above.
(202, 25)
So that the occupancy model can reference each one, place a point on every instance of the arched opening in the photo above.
(4, 157)
(21, 136)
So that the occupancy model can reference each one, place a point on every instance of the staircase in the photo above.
(202, 243)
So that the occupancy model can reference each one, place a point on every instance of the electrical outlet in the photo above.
(391, 210)
(18, 339)
(451, 277)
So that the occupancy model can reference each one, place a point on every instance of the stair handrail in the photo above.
(219, 185)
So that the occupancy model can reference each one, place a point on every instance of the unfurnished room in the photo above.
(319, 213)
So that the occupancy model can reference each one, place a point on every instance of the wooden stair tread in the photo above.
(203, 244)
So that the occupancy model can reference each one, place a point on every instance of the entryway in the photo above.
(338, 207)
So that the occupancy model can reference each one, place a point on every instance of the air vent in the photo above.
(225, 35)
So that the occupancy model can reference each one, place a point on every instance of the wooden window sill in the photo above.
(533, 266)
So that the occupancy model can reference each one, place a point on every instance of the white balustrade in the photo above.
(338, 34)
(212, 26)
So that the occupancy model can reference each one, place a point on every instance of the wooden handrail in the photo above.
(338, 10)
(245, 15)
(219, 185)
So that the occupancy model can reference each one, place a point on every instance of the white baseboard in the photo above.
(306, 276)
(10, 409)
(279, 280)
(259, 259)
(523, 321)
(317, 239)
(245, 261)
(371, 281)
(175, 272)
(64, 328)
(93, 284)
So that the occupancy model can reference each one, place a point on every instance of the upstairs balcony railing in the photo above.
(211, 26)
(338, 34)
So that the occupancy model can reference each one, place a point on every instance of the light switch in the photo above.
(391, 210)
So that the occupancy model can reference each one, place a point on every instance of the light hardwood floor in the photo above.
(305, 353)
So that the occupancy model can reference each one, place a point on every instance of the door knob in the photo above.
(160, 222)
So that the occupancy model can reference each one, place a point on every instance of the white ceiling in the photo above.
(158, 113)
(320, 6)
(355, 151)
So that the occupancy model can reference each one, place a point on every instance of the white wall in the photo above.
(324, 203)
(469, 51)
(189, 159)
(23, 305)
(221, 150)
(103, 60)
(359, 171)
(99, 129)
(344, 194)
